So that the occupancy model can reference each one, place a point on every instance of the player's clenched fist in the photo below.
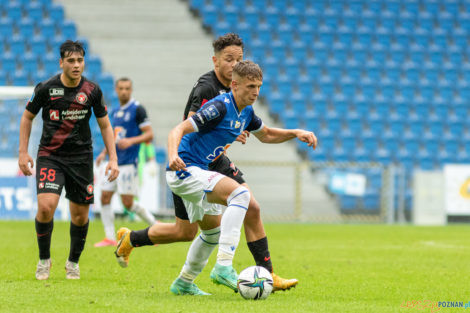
(308, 137)
(24, 161)
(112, 169)
(176, 164)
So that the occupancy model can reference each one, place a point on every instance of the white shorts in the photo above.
(127, 182)
(191, 186)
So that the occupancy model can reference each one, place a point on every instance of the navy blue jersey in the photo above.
(216, 125)
(127, 122)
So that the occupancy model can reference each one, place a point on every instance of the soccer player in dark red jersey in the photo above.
(228, 50)
(65, 154)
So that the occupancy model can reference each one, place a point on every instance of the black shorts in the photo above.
(75, 173)
(222, 165)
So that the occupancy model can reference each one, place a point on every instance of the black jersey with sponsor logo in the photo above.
(206, 88)
(66, 113)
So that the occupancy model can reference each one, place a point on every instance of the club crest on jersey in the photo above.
(41, 185)
(54, 115)
(81, 98)
(210, 112)
(54, 92)
(89, 189)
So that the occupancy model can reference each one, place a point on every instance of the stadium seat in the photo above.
(17, 45)
(8, 62)
(26, 28)
(13, 11)
(56, 12)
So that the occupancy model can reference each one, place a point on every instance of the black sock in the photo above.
(44, 234)
(141, 238)
(260, 251)
(77, 240)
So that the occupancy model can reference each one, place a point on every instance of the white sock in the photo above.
(231, 224)
(143, 214)
(199, 253)
(107, 217)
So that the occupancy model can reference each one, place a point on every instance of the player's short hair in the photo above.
(69, 47)
(248, 69)
(230, 39)
(123, 79)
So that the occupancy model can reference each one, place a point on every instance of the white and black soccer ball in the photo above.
(255, 283)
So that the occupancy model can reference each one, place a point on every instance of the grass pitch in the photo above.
(341, 268)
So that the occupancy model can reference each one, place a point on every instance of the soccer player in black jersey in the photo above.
(228, 50)
(65, 154)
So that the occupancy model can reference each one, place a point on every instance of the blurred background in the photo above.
(384, 84)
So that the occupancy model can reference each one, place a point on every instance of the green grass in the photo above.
(341, 268)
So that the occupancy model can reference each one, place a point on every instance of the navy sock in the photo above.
(44, 235)
(77, 240)
(259, 250)
(141, 238)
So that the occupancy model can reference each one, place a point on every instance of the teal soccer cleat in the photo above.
(225, 275)
(182, 288)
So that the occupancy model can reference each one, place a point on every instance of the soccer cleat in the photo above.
(225, 275)
(181, 288)
(280, 283)
(72, 270)
(124, 247)
(43, 269)
(106, 243)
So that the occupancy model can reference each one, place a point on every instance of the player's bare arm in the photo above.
(146, 136)
(278, 135)
(25, 161)
(174, 139)
(108, 138)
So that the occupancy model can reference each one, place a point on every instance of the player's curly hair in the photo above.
(248, 69)
(230, 39)
(69, 47)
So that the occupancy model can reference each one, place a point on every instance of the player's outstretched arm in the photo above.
(24, 159)
(174, 139)
(278, 135)
(108, 138)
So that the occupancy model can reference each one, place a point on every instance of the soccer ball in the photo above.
(255, 283)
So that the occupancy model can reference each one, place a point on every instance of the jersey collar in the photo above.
(128, 104)
(234, 103)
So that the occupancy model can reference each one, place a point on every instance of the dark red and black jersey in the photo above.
(206, 88)
(66, 113)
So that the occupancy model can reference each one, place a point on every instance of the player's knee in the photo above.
(254, 208)
(127, 203)
(80, 220)
(240, 196)
(106, 198)
(45, 210)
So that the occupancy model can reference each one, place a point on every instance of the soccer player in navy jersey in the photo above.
(131, 127)
(192, 146)
(65, 155)
(228, 50)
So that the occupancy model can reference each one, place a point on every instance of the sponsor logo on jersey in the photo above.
(81, 98)
(226, 100)
(74, 114)
(217, 152)
(120, 113)
(54, 92)
(127, 117)
(54, 115)
(55, 98)
(89, 189)
(210, 112)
